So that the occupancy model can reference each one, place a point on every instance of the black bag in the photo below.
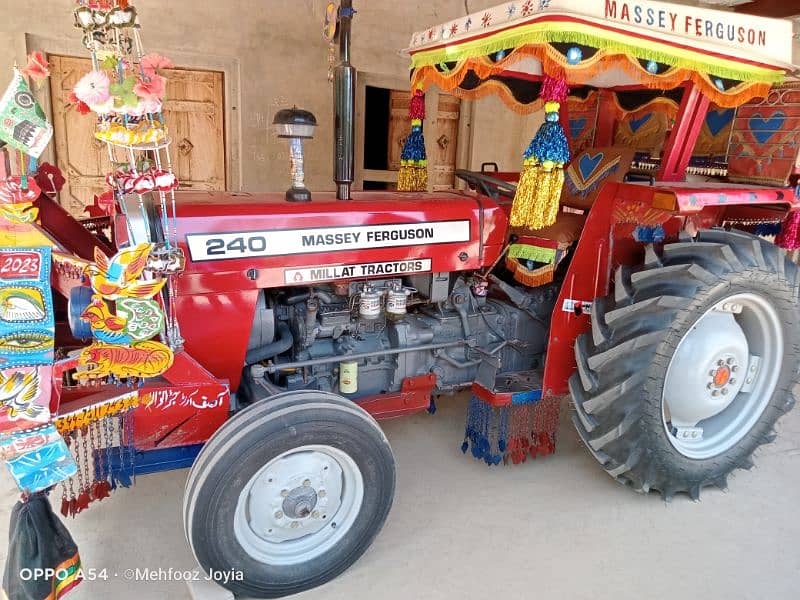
(43, 561)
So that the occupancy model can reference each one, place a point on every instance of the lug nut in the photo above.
(720, 362)
(732, 381)
(715, 393)
(749, 380)
(729, 361)
(753, 368)
(307, 483)
(321, 494)
(284, 493)
(279, 515)
(734, 368)
(724, 391)
(315, 514)
(709, 386)
(295, 524)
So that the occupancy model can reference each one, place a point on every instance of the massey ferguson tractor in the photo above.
(651, 291)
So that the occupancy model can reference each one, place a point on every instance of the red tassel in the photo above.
(416, 109)
(789, 237)
(65, 506)
(554, 90)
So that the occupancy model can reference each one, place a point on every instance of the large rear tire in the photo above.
(289, 492)
(690, 362)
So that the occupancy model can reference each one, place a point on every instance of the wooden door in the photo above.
(398, 126)
(442, 159)
(441, 137)
(193, 111)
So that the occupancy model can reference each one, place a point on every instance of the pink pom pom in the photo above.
(553, 90)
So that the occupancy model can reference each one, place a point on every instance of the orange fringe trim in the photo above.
(555, 64)
(531, 278)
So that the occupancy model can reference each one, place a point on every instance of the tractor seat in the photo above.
(565, 230)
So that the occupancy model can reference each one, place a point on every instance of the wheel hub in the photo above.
(717, 384)
(299, 503)
(702, 381)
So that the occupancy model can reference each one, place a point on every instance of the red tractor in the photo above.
(650, 299)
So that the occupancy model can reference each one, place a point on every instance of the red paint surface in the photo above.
(680, 145)
(414, 396)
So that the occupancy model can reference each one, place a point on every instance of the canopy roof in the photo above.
(606, 43)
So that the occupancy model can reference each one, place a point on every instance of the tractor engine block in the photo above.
(383, 331)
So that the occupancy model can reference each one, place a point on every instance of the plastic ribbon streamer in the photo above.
(413, 175)
(539, 190)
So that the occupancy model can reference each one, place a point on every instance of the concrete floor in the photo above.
(552, 528)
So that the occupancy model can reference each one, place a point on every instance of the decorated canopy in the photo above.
(731, 57)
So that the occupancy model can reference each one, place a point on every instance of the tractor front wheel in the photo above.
(690, 362)
(288, 493)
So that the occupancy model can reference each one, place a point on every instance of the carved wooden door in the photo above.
(193, 111)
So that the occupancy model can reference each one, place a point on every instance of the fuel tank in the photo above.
(248, 241)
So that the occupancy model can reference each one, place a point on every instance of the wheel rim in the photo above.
(299, 505)
(722, 376)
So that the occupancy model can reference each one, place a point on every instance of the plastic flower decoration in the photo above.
(152, 90)
(93, 88)
(150, 63)
(37, 68)
(124, 93)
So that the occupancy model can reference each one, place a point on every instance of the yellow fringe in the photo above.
(412, 178)
(537, 197)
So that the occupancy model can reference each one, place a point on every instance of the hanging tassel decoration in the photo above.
(413, 174)
(486, 433)
(539, 189)
(789, 237)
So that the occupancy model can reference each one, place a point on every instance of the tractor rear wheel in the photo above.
(690, 362)
(288, 493)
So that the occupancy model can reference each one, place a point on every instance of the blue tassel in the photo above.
(549, 143)
(767, 229)
(486, 431)
(414, 147)
(646, 234)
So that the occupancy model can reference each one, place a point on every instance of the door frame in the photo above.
(229, 65)
(394, 82)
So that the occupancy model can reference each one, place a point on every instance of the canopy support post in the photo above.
(680, 145)
(606, 120)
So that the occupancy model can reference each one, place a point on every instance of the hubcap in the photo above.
(299, 505)
(722, 376)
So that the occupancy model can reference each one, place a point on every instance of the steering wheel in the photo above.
(488, 186)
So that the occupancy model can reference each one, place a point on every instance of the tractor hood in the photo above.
(244, 241)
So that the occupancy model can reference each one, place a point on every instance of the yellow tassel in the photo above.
(546, 197)
(412, 178)
(523, 197)
(537, 197)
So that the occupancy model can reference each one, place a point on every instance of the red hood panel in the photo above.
(241, 241)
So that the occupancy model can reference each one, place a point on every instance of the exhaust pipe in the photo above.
(344, 99)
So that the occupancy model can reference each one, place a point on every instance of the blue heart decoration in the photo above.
(717, 120)
(636, 124)
(587, 164)
(763, 129)
(576, 126)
